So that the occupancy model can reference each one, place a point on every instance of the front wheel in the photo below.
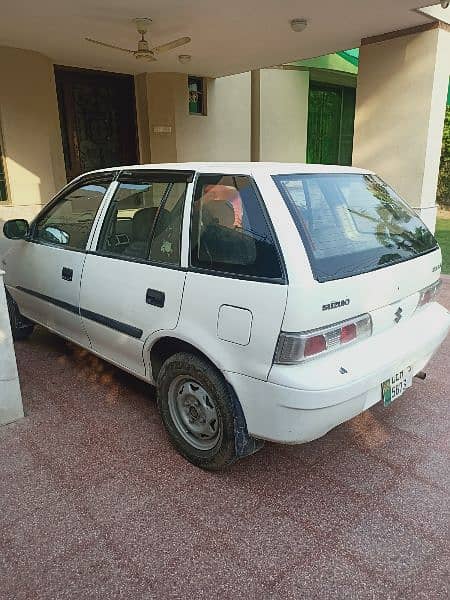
(197, 411)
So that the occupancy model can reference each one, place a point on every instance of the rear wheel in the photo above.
(197, 411)
(21, 327)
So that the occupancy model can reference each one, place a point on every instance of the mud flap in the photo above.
(245, 444)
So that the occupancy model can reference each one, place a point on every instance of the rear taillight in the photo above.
(293, 348)
(314, 345)
(348, 333)
(429, 293)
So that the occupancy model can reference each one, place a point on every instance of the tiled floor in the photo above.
(95, 503)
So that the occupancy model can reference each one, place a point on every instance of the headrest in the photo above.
(223, 194)
(219, 192)
(142, 223)
(218, 213)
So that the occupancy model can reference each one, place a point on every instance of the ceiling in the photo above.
(228, 36)
(437, 12)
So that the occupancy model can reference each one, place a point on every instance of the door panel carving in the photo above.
(98, 119)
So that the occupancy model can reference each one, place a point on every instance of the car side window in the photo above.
(69, 222)
(144, 221)
(230, 232)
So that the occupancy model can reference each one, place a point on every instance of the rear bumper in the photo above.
(303, 402)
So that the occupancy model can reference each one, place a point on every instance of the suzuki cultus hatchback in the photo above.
(264, 301)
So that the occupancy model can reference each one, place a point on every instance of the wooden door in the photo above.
(98, 119)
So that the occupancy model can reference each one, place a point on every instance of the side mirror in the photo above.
(16, 229)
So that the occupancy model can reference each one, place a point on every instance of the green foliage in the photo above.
(443, 237)
(443, 193)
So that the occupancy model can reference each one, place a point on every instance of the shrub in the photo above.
(443, 191)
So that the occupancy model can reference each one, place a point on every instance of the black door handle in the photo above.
(67, 274)
(155, 298)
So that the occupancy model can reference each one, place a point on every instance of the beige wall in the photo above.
(29, 121)
(283, 115)
(224, 133)
(401, 97)
(31, 133)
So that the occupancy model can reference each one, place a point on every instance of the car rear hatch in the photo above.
(368, 251)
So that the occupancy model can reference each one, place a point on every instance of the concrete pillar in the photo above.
(255, 118)
(10, 397)
(400, 107)
(155, 100)
(143, 118)
(279, 114)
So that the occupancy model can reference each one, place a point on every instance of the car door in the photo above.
(236, 288)
(44, 272)
(133, 282)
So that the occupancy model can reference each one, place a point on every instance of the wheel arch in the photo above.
(166, 346)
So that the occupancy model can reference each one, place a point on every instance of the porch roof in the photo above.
(227, 37)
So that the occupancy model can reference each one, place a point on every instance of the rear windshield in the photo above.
(351, 223)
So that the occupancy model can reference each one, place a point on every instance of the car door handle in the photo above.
(67, 274)
(155, 298)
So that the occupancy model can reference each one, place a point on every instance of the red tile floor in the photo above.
(95, 503)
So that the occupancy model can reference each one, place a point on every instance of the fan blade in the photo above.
(148, 56)
(170, 45)
(108, 45)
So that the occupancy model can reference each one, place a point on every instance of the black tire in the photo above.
(184, 366)
(21, 327)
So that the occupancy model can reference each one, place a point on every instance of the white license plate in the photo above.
(393, 388)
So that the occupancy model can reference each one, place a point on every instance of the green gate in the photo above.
(331, 116)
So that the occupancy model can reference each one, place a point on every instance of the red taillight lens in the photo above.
(314, 345)
(293, 348)
(348, 333)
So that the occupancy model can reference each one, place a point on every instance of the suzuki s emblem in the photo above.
(398, 314)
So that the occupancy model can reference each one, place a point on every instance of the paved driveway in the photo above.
(94, 502)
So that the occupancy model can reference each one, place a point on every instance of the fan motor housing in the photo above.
(143, 46)
(142, 24)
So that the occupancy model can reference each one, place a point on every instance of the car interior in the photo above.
(138, 221)
(222, 239)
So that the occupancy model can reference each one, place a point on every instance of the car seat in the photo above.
(221, 243)
(141, 228)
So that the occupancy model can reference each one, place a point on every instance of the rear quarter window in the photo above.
(230, 232)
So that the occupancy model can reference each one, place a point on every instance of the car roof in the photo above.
(240, 168)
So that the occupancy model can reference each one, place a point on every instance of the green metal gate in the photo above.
(331, 116)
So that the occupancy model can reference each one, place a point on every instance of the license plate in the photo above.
(393, 388)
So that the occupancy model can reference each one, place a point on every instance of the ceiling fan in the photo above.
(143, 48)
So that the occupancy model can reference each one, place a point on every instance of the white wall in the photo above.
(400, 107)
(283, 115)
(224, 133)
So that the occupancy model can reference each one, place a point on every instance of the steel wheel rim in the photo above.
(194, 413)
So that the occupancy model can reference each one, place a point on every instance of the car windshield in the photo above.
(352, 223)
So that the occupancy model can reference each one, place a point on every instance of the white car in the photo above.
(264, 301)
